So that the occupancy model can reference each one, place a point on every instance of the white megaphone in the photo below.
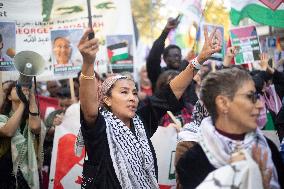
(29, 64)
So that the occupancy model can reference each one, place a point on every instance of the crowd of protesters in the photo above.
(222, 112)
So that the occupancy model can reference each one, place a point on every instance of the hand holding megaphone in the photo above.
(29, 64)
(23, 93)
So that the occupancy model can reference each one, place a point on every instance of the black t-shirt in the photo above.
(99, 164)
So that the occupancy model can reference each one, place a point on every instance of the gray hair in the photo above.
(222, 82)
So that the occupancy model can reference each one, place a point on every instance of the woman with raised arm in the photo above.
(116, 132)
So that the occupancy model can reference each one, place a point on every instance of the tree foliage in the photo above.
(147, 16)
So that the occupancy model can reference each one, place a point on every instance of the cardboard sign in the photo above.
(34, 25)
(66, 168)
(66, 58)
(165, 152)
(120, 52)
(218, 56)
(7, 45)
(246, 39)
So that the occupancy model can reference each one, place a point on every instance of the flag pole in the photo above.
(90, 22)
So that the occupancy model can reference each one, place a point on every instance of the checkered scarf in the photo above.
(104, 88)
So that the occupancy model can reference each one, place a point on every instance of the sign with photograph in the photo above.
(66, 58)
(7, 45)
(34, 25)
(218, 56)
(246, 39)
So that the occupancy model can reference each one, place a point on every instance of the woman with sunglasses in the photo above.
(234, 107)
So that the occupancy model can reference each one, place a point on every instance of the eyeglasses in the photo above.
(253, 97)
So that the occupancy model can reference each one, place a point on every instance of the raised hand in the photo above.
(88, 48)
(261, 160)
(211, 45)
(230, 54)
(264, 61)
(171, 24)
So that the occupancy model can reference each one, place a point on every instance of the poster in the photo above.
(271, 41)
(246, 39)
(35, 23)
(120, 52)
(218, 56)
(165, 153)
(66, 168)
(66, 58)
(7, 45)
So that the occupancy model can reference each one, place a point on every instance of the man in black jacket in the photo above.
(172, 57)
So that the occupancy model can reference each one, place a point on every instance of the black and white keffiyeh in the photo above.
(131, 155)
(189, 132)
(219, 148)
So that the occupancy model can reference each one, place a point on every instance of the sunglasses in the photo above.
(253, 97)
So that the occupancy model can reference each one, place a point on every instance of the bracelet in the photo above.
(196, 64)
(191, 67)
(33, 114)
(86, 77)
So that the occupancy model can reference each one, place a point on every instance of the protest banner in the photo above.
(33, 25)
(66, 168)
(164, 141)
(7, 45)
(246, 39)
(66, 58)
(185, 34)
(265, 12)
(46, 105)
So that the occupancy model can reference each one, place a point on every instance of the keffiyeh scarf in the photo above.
(190, 130)
(243, 174)
(219, 148)
(131, 155)
(23, 154)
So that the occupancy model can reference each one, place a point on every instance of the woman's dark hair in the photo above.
(7, 104)
(265, 76)
(222, 82)
(164, 79)
(259, 83)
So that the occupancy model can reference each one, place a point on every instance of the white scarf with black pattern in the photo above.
(219, 148)
(131, 155)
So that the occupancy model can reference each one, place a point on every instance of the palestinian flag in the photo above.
(261, 11)
(118, 51)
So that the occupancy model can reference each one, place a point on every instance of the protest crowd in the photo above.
(226, 120)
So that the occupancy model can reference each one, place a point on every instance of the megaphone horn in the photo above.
(28, 64)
